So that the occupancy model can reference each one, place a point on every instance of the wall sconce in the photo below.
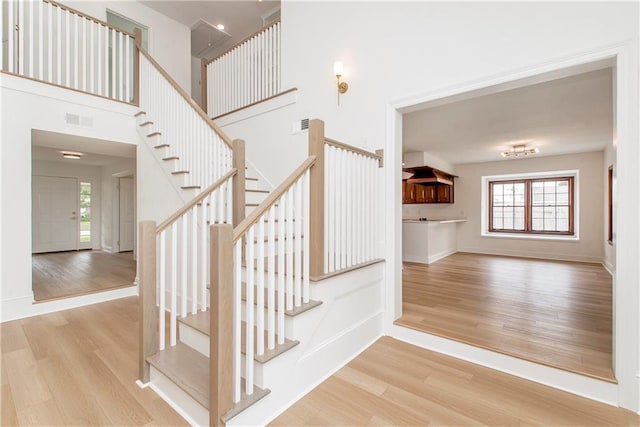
(338, 70)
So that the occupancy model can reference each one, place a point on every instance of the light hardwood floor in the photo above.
(394, 383)
(64, 274)
(550, 312)
(78, 367)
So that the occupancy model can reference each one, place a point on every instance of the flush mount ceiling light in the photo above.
(71, 155)
(220, 27)
(519, 150)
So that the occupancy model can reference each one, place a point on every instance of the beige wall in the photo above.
(591, 188)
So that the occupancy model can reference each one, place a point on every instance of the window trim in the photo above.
(485, 203)
(528, 206)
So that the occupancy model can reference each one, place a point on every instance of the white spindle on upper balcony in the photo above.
(247, 73)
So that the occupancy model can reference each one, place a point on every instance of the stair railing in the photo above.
(345, 183)
(272, 243)
(200, 146)
(247, 73)
(174, 265)
(55, 44)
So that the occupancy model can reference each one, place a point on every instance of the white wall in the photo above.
(26, 105)
(398, 54)
(84, 173)
(468, 186)
(169, 40)
(111, 201)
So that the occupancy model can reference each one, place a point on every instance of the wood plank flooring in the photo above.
(78, 367)
(551, 312)
(394, 383)
(64, 274)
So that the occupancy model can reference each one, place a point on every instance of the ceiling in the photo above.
(241, 18)
(561, 116)
(96, 152)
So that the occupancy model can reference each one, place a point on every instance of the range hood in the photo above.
(426, 175)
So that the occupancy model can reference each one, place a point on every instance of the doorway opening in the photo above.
(545, 295)
(76, 211)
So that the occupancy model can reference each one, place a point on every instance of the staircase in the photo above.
(228, 309)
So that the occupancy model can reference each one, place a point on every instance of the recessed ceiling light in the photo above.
(220, 27)
(71, 155)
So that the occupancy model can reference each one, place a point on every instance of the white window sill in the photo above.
(574, 238)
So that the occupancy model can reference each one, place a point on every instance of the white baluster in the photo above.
(194, 259)
(204, 258)
(271, 279)
(237, 320)
(82, 55)
(289, 269)
(113, 63)
(59, 50)
(120, 66)
(49, 9)
(162, 288)
(260, 287)
(32, 67)
(40, 40)
(330, 220)
(281, 266)
(174, 283)
(92, 59)
(250, 288)
(127, 80)
(184, 234)
(305, 232)
(297, 241)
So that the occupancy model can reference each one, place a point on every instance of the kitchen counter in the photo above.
(428, 240)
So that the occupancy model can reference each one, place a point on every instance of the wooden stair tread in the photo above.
(139, 113)
(200, 322)
(179, 172)
(148, 122)
(161, 145)
(248, 190)
(171, 158)
(190, 187)
(250, 179)
(154, 134)
(187, 368)
(291, 313)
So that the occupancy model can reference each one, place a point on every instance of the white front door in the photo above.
(127, 215)
(54, 214)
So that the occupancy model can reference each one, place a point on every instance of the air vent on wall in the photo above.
(205, 38)
(78, 120)
(300, 125)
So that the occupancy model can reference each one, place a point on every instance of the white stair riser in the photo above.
(250, 184)
(200, 342)
(253, 197)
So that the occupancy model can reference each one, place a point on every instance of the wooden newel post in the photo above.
(203, 84)
(316, 199)
(221, 327)
(239, 185)
(149, 321)
(137, 33)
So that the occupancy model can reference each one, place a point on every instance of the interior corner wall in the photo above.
(111, 201)
(28, 105)
(169, 40)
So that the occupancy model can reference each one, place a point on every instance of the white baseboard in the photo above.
(441, 255)
(21, 307)
(535, 255)
(601, 391)
(609, 267)
(108, 249)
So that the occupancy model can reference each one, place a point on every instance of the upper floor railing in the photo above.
(247, 73)
(47, 41)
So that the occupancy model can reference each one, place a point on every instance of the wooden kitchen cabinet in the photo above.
(433, 193)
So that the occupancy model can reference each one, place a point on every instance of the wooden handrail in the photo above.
(271, 199)
(351, 148)
(91, 18)
(205, 63)
(166, 223)
(188, 98)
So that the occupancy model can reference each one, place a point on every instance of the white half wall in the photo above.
(27, 105)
